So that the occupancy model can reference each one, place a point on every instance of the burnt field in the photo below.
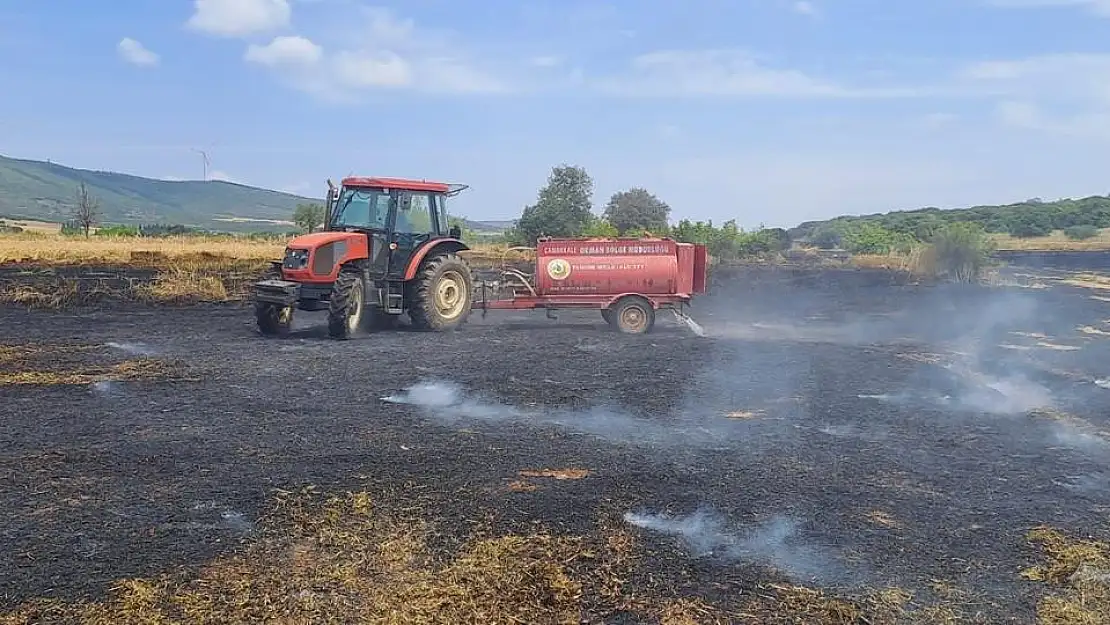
(890, 446)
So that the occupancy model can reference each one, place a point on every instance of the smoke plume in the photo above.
(774, 543)
(449, 403)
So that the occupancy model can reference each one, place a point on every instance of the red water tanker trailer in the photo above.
(628, 280)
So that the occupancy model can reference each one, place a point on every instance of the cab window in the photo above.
(414, 215)
(441, 213)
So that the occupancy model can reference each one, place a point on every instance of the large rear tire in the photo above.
(440, 295)
(632, 315)
(346, 304)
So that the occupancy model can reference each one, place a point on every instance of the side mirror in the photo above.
(455, 232)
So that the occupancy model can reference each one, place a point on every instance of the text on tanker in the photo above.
(607, 250)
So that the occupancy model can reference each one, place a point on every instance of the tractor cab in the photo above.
(397, 216)
(385, 243)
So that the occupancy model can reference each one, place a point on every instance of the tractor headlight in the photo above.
(295, 259)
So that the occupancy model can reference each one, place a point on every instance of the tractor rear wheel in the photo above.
(607, 315)
(273, 319)
(632, 315)
(440, 294)
(346, 304)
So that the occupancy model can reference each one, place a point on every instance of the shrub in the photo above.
(599, 227)
(826, 238)
(118, 231)
(871, 238)
(962, 250)
(1081, 233)
(1031, 225)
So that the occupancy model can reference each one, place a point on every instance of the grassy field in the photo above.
(187, 269)
(1055, 242)
(30, 225)
(61, 250)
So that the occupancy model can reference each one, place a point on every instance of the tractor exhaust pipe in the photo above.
(329, 203)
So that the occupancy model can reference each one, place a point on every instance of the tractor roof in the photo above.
(403, 184)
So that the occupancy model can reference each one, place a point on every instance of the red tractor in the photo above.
(386, 249)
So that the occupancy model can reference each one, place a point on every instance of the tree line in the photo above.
(564, 207)
(1078, 219)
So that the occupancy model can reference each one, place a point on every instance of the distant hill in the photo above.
(1031, 218)
(46, 191)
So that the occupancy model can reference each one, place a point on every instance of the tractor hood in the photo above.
(317, 239)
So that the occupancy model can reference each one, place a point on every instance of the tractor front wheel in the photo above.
(273, 319)
(440, 295)
(346, 304)
(632, 315)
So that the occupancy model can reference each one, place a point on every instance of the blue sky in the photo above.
(766, 111)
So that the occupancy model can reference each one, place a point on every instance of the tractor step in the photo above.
(394, 297)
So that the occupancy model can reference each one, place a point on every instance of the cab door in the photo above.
(413, 225)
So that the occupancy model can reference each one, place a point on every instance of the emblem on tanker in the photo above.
(558, 269)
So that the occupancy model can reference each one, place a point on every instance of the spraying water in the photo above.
(694, 326)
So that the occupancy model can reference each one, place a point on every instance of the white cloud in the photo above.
(1066, 94)
(802, 7)
(239, 18)
(1098, 7)
(370, 69)
(684, 73)
(136, 53)
(285, 51)
(390, 53)
(546, 61)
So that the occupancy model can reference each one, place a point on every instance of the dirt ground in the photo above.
(835, 430)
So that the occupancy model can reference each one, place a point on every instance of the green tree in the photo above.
(1081, 233)
(466, 234)
(636, 209)
(600, 227)
(869, 238)
(827, 237)
(562, 208)
(309, 216)
(1031, 224)
(962, 250)
(777, 239)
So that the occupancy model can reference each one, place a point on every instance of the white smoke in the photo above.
(774, 543)
(448, 402)
(138, 349)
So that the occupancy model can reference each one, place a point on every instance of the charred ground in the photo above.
(819, 414)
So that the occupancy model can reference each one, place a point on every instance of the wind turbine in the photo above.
(204, 157)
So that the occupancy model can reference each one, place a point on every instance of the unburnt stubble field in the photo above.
(55, 272)
(838, 449)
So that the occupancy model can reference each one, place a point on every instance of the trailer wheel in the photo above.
(440, 296)
(273, 319)
(345, 306)
(632, 315)
(607, 315)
